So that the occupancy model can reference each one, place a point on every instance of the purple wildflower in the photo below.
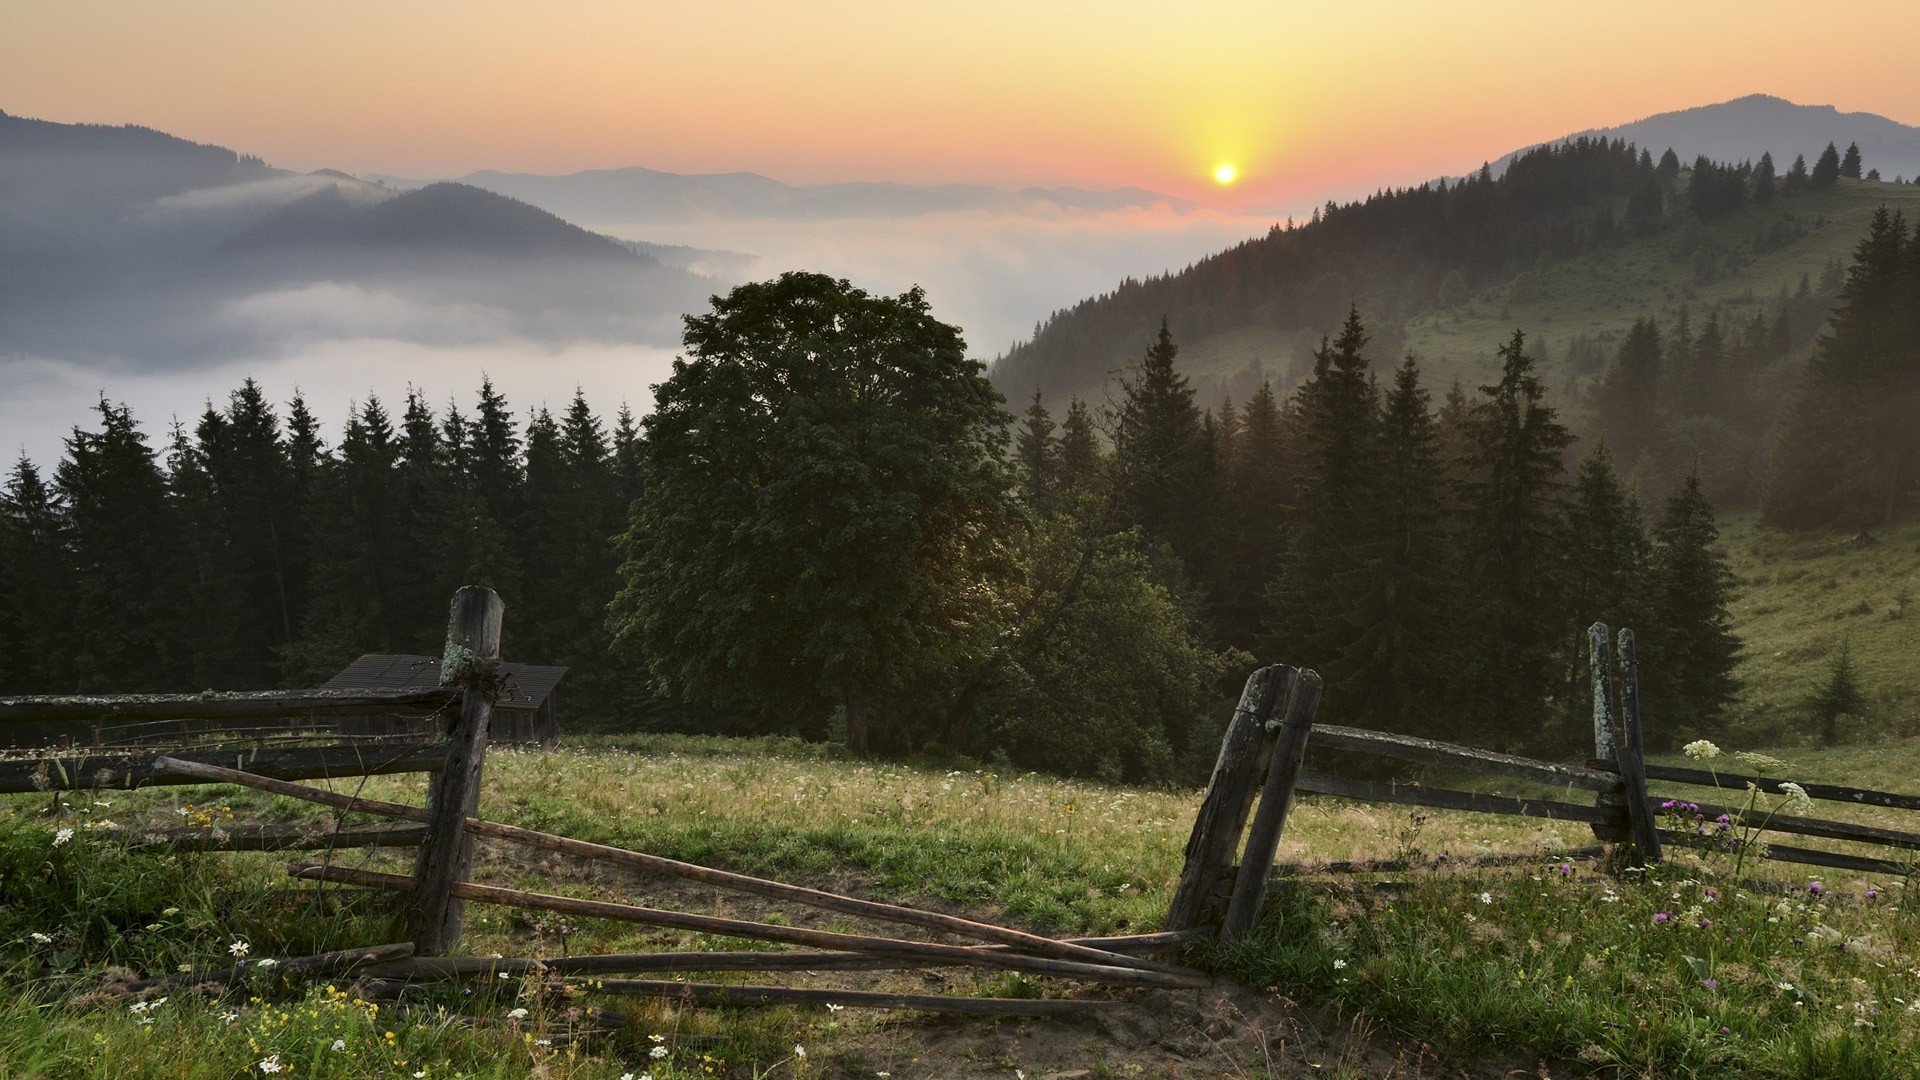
(1815, 888)
(1712, 985)
(1662, 916)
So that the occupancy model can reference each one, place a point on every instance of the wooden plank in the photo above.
(1448, 755)
(1263, 838)
(746, 997)
(251, 837)
(59, 773)
(1445, 799)
(1631, 754)
(480, 967)
(221, 705)
(813, 897)
(1806, 826)
(1612, 795)
(329, 963)
(472, 655)
(1223, 811)
(1807, 856)
(790, 935)
(1734, 781)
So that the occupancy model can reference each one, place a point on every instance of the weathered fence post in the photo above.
(1223, 812)
(1600, 670)
(1631, 754)
(1263, 839)
(471, 663)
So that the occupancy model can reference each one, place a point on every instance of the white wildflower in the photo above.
(64, 836)
(658, 1052)
(269, 1064)
(832, 1008)
(1486, 898)
(339, 1044)
(267, 963)
(517, 1014)
(239, 947)
(40, 938)
(1339, 965)
(800, 1052)
(1700, 750)
(1763, 762)
(229, 1016)
(1797, 798)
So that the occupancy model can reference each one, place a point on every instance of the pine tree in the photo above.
(252, 487)
(489, 455)
(125, 544)
(1850, 163)
(586, 572)
(1339, 502)
(1826, 170)
(210, 615)
(1607, 565)
(1161, 461)
(433, 522)
(1399, 655)
(360, 506)
(1511, 568)
(1038, 454)
(1764, 185)
(1256, 499)
(1082, 465)
(36, 627)
(1838, 695)
(1669, 167)
(1797, 178)
(626, 458)
(1692, 647)
(1627, 401)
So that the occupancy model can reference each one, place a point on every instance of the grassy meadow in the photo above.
(1671, 971)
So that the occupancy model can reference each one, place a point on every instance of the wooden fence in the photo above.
(1268, 738)
(436, 893)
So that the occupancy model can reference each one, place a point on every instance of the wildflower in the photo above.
(229, 1016)
(1814, 888)
(1711, 984)
(239, 947)
(62, 837)
(1762, 762)
(657, 1038)
(658, 1052)
(1873, 893)
(800, 1052)
(1797, 798)
(269, 1064)
(832, 1008)
(267, 963)
(1787, 986)
(517, 1014)
(1700, 750)
(419, 1074)
(1486, 898)
(40, 938)
(339, 1044)
(1566, 869)
(1339, 965)
(1662, 916)
(1706, 924)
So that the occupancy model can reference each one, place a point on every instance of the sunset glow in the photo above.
(1048, 94)
(1225, 174)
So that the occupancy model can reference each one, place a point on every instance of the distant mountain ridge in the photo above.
(1746, 127)
(637, 195)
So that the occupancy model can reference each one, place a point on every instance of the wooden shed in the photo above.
(524, 714)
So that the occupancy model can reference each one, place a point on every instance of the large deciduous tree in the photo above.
(824, 499)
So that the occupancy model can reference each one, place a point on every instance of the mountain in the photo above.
(1571, 241)
(1745, 128)
(128, 244)
(632, 196)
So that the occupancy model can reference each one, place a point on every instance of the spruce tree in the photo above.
(209, 605)
(488, 451)
(1161, 459)
(252, 484)
(1838, 695)
(1764, 185)
(1692, 647)
(1037, 453)
(1797, 178)
(1082, 464)
(1399, 656)
(1850, 162)
(1512, 567)
(1608, 552)
(360, 548)
(1826, 170)
(1627, 401)
(36, 625)
(1256, 500)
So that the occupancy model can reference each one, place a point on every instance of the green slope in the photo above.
(1595, 295)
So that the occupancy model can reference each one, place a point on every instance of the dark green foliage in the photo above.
(36, 589)
(1838, 695)
(824, 499)
(1607, 569)
(1826, 170)
(1163, 464)
(1627, 402)
(1797, 177)
(1691, 647)
(1081, 463)
(1765, 187)
(1849, 453)
(1258, 495)
(1513, 536)
(1850, 162)
(1037, 452)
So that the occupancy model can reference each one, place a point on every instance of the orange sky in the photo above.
(1308, 99)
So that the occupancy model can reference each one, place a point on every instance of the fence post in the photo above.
(1263, 839)
(1600, 672)
(471, 663)
(1216, 828)
(1631, 754)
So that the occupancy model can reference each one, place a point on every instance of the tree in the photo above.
(1453, 289)
(1081, 461)
(1764, 187)
(1038, 454)
(823, 511)
(1257, 497)
(1511, 553)
(1838, 695)
(360, 554)
(1627, 401)
(1693, 647)
(1669, 167)
(1161, 463)
(1826, 170)
(1797, 178)
(1607, 563)
(36, 650)
(1850, 163)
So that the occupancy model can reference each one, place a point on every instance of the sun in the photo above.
(1225, 173)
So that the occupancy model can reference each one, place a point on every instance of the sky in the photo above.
(1307, 100)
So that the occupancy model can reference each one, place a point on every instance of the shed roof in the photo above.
(526, 686)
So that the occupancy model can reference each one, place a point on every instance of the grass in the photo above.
(1598, 295)
(1570, 965)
